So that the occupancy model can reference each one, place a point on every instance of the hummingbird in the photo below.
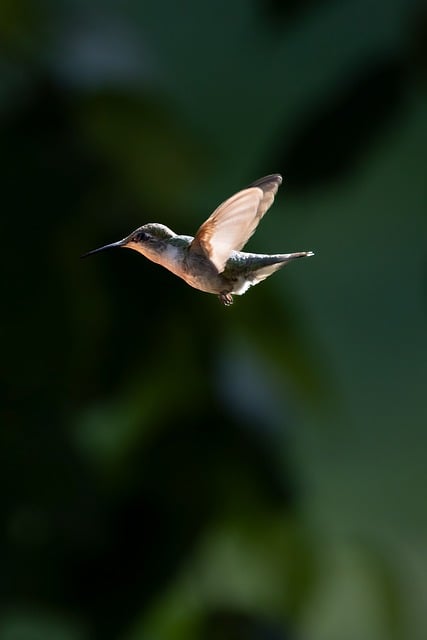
(212, 260)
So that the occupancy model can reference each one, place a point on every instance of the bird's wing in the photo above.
(231, 225)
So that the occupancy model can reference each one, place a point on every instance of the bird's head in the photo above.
(150, 240)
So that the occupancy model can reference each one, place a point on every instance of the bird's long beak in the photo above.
(113, 245)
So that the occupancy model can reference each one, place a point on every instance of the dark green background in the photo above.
(172, 469)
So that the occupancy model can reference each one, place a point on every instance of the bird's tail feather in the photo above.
(277, 262)
(286, 257)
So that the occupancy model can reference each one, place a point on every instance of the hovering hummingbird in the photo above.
(212, 260)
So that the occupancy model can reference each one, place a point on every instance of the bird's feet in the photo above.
(226, 299)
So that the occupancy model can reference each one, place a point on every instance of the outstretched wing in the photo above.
(231, 225)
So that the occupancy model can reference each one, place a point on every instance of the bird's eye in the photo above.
(142, 236)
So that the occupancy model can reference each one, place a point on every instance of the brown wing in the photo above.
(231, 225)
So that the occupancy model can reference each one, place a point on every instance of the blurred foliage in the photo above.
(174, 470)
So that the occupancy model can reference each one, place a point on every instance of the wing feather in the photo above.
(231, 225)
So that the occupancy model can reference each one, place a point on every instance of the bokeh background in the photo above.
(172, 469)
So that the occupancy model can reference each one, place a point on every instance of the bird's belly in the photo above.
(211, 283)
(192, 273)
(216, 283)
(240, 286)
(201, 275)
